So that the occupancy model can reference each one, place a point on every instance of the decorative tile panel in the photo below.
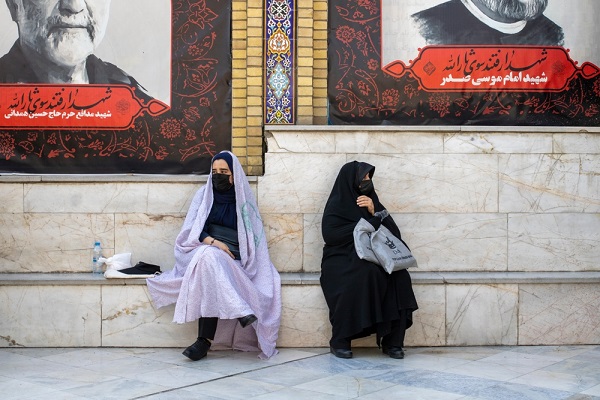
(280, 63)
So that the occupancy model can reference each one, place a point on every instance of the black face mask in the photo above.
(366, 186)
(221, 182)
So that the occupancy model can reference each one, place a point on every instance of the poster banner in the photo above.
(106, 88)
(464, 62)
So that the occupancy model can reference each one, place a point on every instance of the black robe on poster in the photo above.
(362, 298)
(452, 23)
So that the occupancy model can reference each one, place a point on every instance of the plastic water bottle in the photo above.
(96, 254)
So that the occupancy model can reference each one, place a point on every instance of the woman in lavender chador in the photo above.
(223, 276)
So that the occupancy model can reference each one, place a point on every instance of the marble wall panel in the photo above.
(558, 314)
(481, 315)
(130, 320)
(475, 143)
(11, 198)
(150, 238)
(284, 234)
(579, 143)
(554, 242)
(444, 183)
(313, 243)
(119, 197)
(429, 321)
(297, 183)
(456, 242)
(304, 317)
(385, 142)
(50, 316)
(300, 142)
(52, 242)
(369, 341)
(549, 183)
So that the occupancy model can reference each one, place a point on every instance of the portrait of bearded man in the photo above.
(479, 22)
(57, 39)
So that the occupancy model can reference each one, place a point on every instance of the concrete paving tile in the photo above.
(513, 391)
(286, 375)
(403, 392)
(343, 385)
(556, 380)
(233, 387)
(117, 389)
(439, 373)
(593, 391)
(292, 393)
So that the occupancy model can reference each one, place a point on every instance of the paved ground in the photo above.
(564, 372)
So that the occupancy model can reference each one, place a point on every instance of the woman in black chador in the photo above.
(362, 298)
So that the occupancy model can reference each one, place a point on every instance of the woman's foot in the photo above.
(247, 320)
(341, 353)
(198, 350)
(393, 351)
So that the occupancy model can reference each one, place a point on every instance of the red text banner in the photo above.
(498, 68)
(73, 107)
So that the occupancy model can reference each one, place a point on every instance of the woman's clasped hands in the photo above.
(218, 244)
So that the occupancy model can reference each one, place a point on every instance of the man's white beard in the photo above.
(518, 10)
(69, 49)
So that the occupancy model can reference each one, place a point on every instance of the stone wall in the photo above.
(471, 200)
(504, 223)
(466, 199)
(49, 223)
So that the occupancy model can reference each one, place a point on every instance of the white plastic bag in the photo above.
(117, 262)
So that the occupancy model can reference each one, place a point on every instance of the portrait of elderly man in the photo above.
(57, 39)
(501, 22)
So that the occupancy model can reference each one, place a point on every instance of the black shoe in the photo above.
(393, 351)
(198, 350)
(341, 353)
(247, 320)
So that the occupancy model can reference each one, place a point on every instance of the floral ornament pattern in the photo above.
(7, 145)
(179, 141)
(360, 92)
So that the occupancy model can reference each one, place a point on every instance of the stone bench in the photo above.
(456, 309)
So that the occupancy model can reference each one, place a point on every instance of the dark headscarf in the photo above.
(341, 211)
(225, 201)
(224, 156)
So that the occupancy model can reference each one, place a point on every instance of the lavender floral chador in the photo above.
(207, 282)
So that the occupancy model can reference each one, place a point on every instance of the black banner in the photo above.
(448, 63)
(112, 122)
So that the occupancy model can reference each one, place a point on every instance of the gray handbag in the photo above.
(382, 247)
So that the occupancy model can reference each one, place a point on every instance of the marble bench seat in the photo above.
(292, 278)
(456, 308)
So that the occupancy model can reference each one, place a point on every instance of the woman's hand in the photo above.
(365, 201)
(218, 244)
(223, 246)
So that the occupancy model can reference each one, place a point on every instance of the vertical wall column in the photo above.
(247, 82)
(254, 81)
(312, 63)
(305, 63)
(319, 73)
(239, 42)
